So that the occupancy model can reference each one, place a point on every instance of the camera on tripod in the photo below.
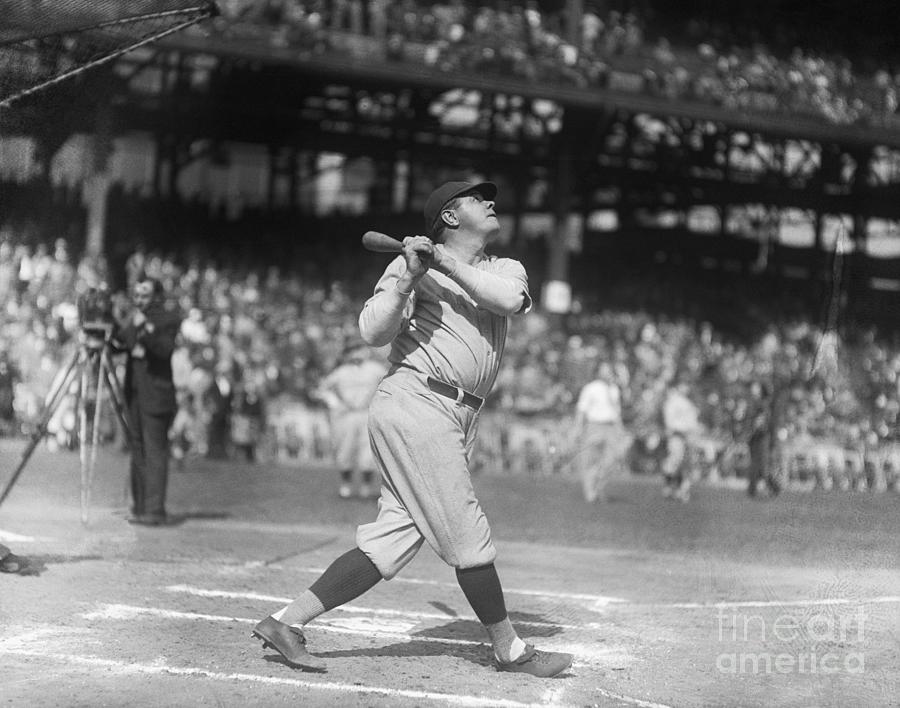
(95, 316)
(91, 372)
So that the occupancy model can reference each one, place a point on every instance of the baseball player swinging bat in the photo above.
(407, 417)
(381, 243)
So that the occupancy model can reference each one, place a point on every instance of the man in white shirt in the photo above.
(601, 440)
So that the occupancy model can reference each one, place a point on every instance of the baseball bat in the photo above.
(381, 243)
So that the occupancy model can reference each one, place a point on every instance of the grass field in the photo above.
(723, 601)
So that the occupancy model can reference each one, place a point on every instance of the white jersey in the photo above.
(352, 385)
(680, 415)
(445, 333)
(600, 402)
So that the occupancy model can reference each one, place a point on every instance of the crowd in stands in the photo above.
(836, 401)
(255, 344)
(618, 49)
(248, 340)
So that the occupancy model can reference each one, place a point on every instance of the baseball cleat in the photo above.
(543, 664)
(287, 641)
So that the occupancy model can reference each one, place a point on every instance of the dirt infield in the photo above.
(723, 601)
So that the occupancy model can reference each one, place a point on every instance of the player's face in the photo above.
(477, 213)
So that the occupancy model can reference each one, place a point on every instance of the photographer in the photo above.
(148, 334)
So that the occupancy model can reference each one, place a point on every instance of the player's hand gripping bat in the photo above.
(382, 243)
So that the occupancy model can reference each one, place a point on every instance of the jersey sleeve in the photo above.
(515, 271)
(387, 312)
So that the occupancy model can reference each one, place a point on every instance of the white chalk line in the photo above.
(18, 640)
(553, 696)
(618, 603)
(584, 653)
(641, 703)
(354, 609)
(126, 612)
(263, 527)
(188, 671)
(772, 603)
(601, 603)
(598, 600)
(15, 645)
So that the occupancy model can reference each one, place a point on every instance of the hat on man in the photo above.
(448, 191)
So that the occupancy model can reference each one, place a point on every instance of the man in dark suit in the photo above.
(148, 336)
(762, 417)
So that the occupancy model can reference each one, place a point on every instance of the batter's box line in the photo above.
(355, 609)
(585, 654)
(162, 669)
(640, 702)
(16, 641)
(601, 602)
(597, 600)
(727, 604)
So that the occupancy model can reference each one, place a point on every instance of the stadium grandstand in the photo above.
(704, 192)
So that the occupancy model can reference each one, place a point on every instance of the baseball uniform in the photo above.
(604, 440)
(352, 386)
(443, 309)
(422, 439)
(681, 421)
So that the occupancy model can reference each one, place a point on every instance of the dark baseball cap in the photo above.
(449, 190)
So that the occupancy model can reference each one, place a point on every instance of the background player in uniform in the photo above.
(444, 309)
(599, 431)
(348, 390)
(680, 421)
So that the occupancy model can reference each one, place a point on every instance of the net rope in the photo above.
(44, 42)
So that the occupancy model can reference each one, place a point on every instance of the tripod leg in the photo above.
(116, 394)
(52, 402)
(83, 440)
(95, 439)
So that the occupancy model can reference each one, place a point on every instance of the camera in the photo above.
(95, 315)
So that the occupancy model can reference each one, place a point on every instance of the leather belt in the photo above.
(457, 394)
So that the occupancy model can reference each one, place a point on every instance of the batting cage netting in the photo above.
(43, 42)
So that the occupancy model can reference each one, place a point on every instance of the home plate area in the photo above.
(406, 643)
(721, 602)
(424, 648)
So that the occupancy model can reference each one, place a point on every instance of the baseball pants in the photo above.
(603, 449)
(352, 449)
(421, 442)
